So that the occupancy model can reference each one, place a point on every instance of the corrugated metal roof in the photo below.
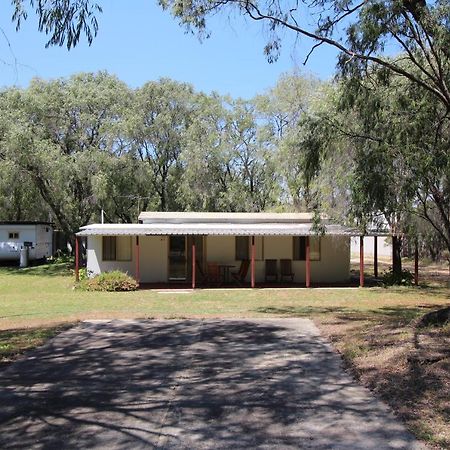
(213, 229)
(219, 217)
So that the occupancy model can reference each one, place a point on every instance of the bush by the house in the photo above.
(109, 282)
(404, 278)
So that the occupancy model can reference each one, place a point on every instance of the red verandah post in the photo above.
(138, 275)
(308, 262)
(252, 269)
(361, 261)
(77, 258)
(193, 266)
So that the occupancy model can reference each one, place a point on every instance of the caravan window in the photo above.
(14, 235)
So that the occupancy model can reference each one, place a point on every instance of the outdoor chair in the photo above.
(213, 273)
(241, 274)
(286, 270)
(271, 270)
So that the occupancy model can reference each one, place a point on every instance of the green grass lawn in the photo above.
(373, 328)
(44, 295)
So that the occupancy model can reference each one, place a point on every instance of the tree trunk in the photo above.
(397, 255)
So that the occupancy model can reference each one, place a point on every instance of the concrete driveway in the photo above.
(191, 384)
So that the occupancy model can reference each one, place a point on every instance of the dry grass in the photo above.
(409, 368)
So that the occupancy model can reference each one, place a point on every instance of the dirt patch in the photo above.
(406, 366)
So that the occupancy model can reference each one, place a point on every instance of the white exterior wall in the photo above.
(334, 265)
(40, 235)
(154, 259)
(44, 241)
(220, 249)
(384, 245)
(95, 263)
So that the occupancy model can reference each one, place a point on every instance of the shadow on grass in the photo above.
(301, 311)
(48, 269)
(392, 316)
(422, 289)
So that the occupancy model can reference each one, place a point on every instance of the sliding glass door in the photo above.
(177, 258)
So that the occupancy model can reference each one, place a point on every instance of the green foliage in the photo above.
(113, 281)
(83, 274)
(64, 20)
(404, 278)
(62, 258)
(157, 122)
(70, 148)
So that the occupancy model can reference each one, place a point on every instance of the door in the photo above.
(177, 258)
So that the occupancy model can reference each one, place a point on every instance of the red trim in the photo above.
(253, 262)
(361, 261)
(193, 266)
(416, 264)
(77, 258)
(375, 256)
(138, 272)
(308, 263)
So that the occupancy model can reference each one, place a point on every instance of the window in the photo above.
(242, 247)
(123, 248)
(299, 250)
(14, 235)
(116, 248)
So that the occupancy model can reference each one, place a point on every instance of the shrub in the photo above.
(109, 282)
(61, 257)
(404, 278)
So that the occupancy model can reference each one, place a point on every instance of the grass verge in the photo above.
(14, 343)
(407, 367)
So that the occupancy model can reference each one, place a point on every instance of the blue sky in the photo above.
(139, 42)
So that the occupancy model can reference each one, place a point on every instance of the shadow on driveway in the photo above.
(271, 383)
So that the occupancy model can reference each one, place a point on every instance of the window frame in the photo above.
(130, 243)
(115, 240)
(303, 239)
(13, 235)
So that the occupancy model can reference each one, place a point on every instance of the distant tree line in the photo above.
(370, 152)
(70, 148)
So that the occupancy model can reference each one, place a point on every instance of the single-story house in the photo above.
(183, 247)
(36, 236)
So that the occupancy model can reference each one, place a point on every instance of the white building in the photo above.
(384, 246)
(37, 236)
(169, 247)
